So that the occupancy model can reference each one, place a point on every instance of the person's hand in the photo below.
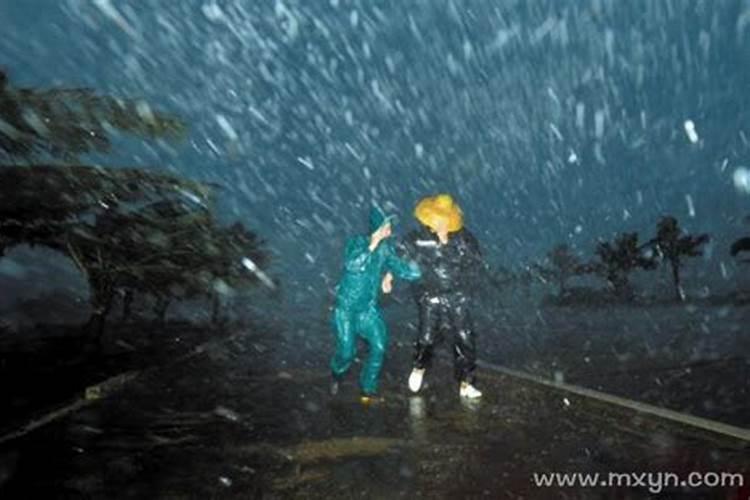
(382, 233)
(387, 284)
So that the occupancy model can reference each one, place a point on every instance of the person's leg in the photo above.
(375, 333)
(464, 343)
(346, 344)
(428, 334)
(429, 322)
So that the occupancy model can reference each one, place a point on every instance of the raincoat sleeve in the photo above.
(401, 268)
(357, 254)
(474, 263)
(475, 266)
(473, 253)
(406, 246)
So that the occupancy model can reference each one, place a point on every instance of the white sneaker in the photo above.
(469, 391)
(415, 379)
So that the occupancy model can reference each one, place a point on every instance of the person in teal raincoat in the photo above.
(370, 263)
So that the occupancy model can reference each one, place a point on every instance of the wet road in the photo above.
(235, 423)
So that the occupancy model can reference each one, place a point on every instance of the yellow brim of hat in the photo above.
(431, 214)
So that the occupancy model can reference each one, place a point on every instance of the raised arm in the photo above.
(357, 254)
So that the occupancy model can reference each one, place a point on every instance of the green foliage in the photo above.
(127, 229)
(671, 243)
(561, 265)
(66, 123)
(617, 259)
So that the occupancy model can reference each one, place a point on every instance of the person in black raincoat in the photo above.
(450, 260)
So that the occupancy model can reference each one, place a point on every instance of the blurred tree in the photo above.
(671, 243)
(617, 260)
(62, 124)
(740, 245)
(203, 260)
(41, 202)
(128, 230)
(523, 279)
(560, 265)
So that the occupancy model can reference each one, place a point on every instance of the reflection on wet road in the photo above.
(228, 425)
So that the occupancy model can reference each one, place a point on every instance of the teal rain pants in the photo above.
(370, 326)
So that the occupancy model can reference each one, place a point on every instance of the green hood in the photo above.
(378, 218)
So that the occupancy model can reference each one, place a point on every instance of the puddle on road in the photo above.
(213, 430)
(341, 448)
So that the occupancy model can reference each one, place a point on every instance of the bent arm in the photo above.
(475, 265)
(402, 268)
(474, 258)
(406, 246)
(357, 254)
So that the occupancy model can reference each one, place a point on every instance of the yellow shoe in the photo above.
(369, 399)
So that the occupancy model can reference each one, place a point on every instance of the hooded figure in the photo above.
(451, 264)
(369, 265)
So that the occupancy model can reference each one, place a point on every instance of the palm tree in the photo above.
(618, 259)
(672, 244)
(562, 264)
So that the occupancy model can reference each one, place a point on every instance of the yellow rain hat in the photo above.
(433, 210)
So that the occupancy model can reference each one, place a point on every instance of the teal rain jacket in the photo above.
(357, 312)
(359, 288)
